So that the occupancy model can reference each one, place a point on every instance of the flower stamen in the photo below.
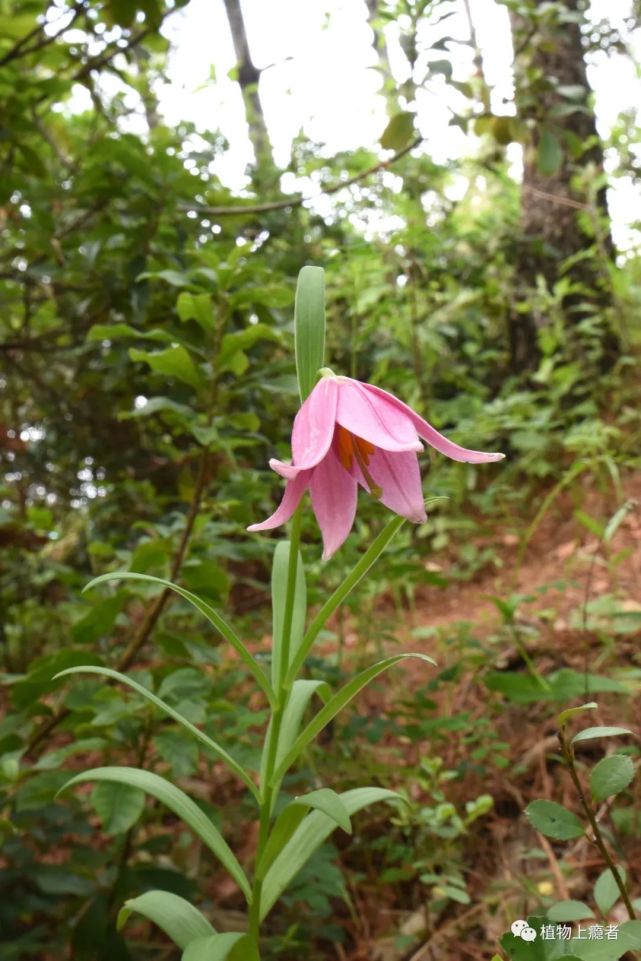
(363, 450)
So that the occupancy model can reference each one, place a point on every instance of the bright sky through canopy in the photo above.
(321, 79)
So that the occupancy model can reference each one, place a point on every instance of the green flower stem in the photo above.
(267, 792)
(294, 544)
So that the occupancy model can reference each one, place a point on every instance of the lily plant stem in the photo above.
(568, 756)
(268, 790)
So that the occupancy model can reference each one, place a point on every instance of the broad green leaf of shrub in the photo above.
(554, 821)
(570, 911)
(398, 132)
(118, 806)
(606, 890)
(611, 776)
(232, 354)
(179, 919)
(550, 153)
(628, 939)
(591, 733)
(171, 362)
(196, 307)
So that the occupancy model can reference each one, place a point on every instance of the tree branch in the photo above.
(18, 51)
(296, 200)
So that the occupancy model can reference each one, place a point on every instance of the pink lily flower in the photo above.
(348, 433)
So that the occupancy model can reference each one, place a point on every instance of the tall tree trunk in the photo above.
(248, 79)
(563, 217)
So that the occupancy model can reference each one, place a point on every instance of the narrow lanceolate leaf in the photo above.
(299, 697)
(336, 704)
(283, 830)
(591, 733)
(308, 837)
(611, 776)
(212, 615)
(181, 805)
(325, 800)
(280, 570)
(554, 821)
(208, 742)
(309, 325)
(231, 946)
(359, 571)
(564, 716)
(179, 919)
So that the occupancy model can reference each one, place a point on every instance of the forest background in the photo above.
(147, 282)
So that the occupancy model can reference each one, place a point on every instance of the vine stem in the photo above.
(568, 756)
(283, 687)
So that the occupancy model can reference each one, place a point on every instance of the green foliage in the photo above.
(146, 377)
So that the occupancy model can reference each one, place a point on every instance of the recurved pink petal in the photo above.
(334, 493)
(373, 418)
(293, 492)
(314, 424)
(399, 477)
(285, 470)
(431, 435)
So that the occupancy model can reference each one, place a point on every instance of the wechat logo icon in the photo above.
(521, 929)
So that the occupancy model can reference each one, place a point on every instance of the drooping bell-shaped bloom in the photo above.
(348, 433)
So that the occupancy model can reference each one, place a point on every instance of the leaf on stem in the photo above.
(325, 800)
(611, 776)
(178, 802)
(309, 836)
(179, 919)
(299, 697)
(591, 733)
(336, 704)
(231, 946)
(207, 610)
(208, 742)
(309, 326)
(359, 571)
(554, 821)
(280, 571)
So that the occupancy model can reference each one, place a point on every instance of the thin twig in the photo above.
(568, 756)
(296, 200)
(555, 198)
(18, 50)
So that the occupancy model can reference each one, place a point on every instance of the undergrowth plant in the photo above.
(345, 434)
(570, 928)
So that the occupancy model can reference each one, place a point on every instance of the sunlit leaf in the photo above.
(179, 919)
